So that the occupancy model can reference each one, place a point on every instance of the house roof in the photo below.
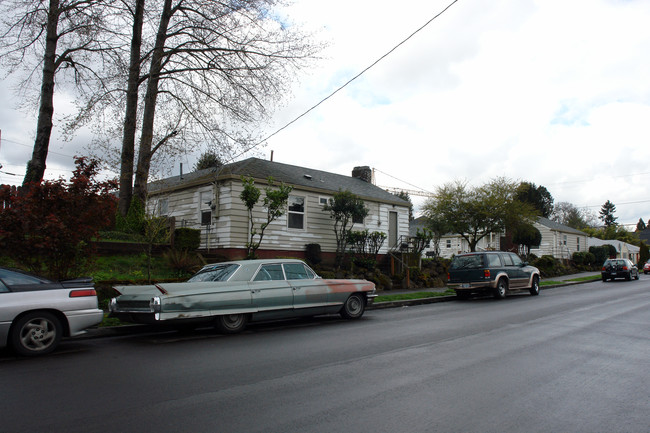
(559, 227)
(261, 169)
(614, 242)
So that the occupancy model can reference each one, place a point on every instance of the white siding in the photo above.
(229, 228)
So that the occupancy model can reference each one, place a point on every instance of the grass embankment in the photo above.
(573, 280)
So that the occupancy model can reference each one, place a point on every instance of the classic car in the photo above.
(230, 294)
(495, 272)
(36, 312)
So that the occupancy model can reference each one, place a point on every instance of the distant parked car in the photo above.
(36, 312)
(646, 267)
(494, 272)
(619, 268)
(228, 295)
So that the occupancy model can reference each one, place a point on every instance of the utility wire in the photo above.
(349, 81)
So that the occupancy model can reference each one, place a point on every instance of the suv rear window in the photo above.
(472, 261)
(493, 260)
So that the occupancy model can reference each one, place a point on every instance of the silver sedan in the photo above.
(35, 313)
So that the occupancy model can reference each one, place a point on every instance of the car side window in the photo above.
(3, 288)
(493, 261)
(269, 273)
(507, 260)
(16, 278)
(296, 271)
(516, 260)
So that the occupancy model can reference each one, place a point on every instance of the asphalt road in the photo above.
(573, 359)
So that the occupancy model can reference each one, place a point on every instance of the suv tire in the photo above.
(501, 289)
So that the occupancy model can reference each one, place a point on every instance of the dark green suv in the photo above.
(495, 272)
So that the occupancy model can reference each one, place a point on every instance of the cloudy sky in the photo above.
(554, 92)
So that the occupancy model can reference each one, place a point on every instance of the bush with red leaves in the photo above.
(47, 227)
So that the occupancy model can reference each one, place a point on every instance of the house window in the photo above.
(322, 201)
(296, 212)
(204, 208)
(357, 219)
(564, 239)
(578, 245)
(163, 207)
(448, 243)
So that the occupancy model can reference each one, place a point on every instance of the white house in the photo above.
(623, 249)
(558, 240)
(209, 200)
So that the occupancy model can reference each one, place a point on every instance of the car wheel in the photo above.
(354, 307)
(501, 289)
(231, 323)
(628, 277)
(636, 277)
(604, 279)
(534, 288)
(36, 333)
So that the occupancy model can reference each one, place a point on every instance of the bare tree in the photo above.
(214, 68)
(55, 35)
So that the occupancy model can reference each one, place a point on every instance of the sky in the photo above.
(552, 92)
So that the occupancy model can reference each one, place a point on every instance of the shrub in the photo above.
(187, 239)
(183, 260)
(602, 253)
(313, 254)
(48, 227)
(134, 220)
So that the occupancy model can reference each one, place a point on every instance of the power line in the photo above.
(350, 80)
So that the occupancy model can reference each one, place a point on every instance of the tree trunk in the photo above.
(146, 138)
(36, 166)
(130, 118)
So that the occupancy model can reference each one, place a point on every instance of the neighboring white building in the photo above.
(209, 200)
(452, 244)
(558, 240)
(623, 249)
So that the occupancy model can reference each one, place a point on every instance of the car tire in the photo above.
(36, 333)
(636, 277)
(628, 277)
(501, 289)
(604, 279)
(353, 307)
(231, 323)
(534, 288)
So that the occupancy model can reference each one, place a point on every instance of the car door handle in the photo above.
(297, 288)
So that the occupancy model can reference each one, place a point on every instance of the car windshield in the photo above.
(472, 261)
(215, 273)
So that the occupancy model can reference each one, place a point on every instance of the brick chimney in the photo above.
(364, 173)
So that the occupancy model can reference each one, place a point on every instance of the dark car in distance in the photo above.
(619, 268)
(494, 272)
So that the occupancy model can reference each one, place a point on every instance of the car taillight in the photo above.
(603, 268)
(625, 268)
(486, 273)
(82, 293)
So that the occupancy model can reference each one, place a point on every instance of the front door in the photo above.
(392, 229)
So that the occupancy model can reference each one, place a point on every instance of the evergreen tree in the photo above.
(640, 226)
(606, 214)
